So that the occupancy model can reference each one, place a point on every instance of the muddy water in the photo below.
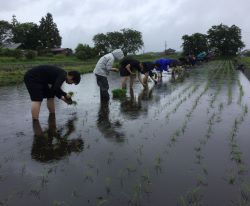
(168, 145)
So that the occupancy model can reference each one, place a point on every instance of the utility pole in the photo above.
(165, 47)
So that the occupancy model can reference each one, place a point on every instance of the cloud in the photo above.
(158, 20)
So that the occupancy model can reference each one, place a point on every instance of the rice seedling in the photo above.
(58, 203)
(192, 197)
(71, 94)
(242, 169)
(101, 202)
(231, 179)
(131, 168)
(158, 161)
(201, 180)
(245, 192)
(221, 106)
(137, 194)
(204, 169)
(108, 184)
(119, 93)
(75, 193)
(35, 191)
(197, 149)
(89, 177)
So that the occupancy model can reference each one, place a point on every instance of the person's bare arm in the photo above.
(128, 67)
(114, 69)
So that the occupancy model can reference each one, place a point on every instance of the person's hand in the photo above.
(68, 96)
(155, 82)
(67, 100)
(115, 69)
(132, 73)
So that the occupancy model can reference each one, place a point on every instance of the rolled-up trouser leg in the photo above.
(102, 82)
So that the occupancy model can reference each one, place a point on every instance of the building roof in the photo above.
(60, 49)
(11, 46)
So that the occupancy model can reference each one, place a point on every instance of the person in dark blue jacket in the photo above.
(163, 64)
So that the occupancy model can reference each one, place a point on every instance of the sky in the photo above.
(159, 21)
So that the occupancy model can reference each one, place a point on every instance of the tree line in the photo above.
(222, 39)
(45, 36)
(31, 35)
(42, 37)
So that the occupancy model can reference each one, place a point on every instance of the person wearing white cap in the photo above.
(102, 69)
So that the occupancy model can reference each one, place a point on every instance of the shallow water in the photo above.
(168, 145)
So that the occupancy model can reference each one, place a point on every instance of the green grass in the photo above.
(246, 61)
(11, 77)
(12, 70)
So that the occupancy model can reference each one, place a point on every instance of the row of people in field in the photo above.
(45, 81)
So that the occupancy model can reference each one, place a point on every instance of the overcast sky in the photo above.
(158, 20)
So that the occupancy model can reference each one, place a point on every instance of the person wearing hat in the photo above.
(102, 69)
(45, 81)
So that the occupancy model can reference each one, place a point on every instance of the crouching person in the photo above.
(102, 69)
(45, 82)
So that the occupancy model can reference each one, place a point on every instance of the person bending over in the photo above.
(102, 69)
(45, 81)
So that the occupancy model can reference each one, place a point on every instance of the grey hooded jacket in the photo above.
(105, 63)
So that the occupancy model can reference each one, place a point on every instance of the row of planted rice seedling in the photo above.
(193, 196)
(173, 99)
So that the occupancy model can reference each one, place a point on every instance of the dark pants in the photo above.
(102, 82)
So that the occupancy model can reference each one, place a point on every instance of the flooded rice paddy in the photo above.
(171, 144)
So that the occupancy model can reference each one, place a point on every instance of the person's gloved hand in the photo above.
(155, 82)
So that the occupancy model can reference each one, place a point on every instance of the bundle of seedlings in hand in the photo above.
(71, 94)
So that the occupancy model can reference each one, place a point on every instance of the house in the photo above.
(245, 53)
(170, 51)
(65, 51)
(11, 46)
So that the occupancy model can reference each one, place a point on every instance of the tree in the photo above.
(85, 52)
(128, 40)
(115, 40)
(101, 43)
(27, 34)
(49, 34)
(132, 41)
(5, 32)
(225, 40)
(194, 44)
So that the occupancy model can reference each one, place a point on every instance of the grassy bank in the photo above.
(13, 70)
(15, 76)
(246, 62)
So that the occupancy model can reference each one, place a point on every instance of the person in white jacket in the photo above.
(102, 69)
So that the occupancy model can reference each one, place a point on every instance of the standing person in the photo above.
(162, 64)
(102, 69)
(147, 68)
(128, 69)
(45, 81)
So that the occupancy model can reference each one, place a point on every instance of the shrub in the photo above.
(30, 54)
(85, 52)
(60, 56)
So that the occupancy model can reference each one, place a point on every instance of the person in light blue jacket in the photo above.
(102, 69)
